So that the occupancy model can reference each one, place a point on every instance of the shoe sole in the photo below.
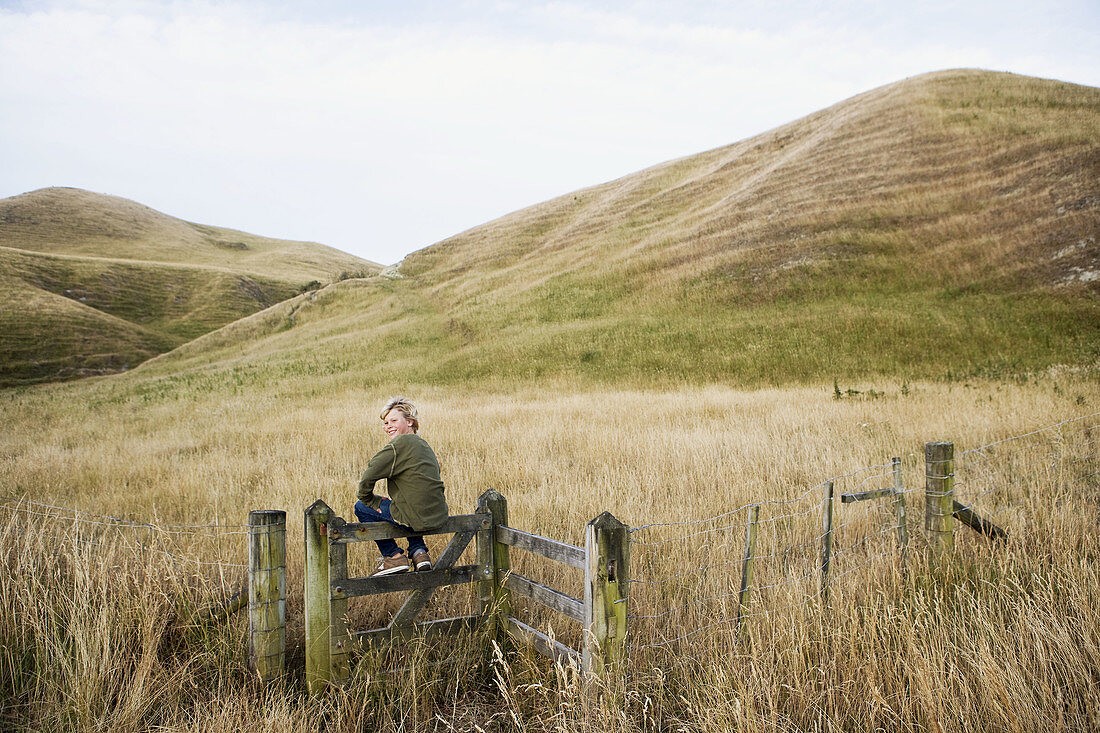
(422, 566)
(391, 571)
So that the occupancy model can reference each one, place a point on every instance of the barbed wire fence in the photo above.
(696, 584)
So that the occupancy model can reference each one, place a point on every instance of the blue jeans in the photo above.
(389, 547)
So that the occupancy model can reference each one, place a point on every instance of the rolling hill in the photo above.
(940, 227)
(93, 284)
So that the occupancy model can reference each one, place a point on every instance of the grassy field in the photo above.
(93, 641)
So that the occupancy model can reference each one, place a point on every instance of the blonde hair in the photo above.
(406, 408)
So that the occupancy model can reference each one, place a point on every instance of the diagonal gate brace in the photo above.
(416, 601)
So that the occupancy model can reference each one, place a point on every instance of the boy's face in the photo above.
(396, 424)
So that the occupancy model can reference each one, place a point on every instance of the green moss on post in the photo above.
(607, 572)
(496, 599)
(339, 639)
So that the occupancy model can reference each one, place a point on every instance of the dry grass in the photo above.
(93, 640)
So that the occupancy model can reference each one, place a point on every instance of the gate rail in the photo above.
(603, 611)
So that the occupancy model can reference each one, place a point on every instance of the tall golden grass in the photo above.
(1007, 636)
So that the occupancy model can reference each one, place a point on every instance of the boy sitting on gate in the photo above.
(415, 489)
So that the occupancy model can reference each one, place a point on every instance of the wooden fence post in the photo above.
(939, 496)
(826, 539)
(339, 639)
(899, 512)
(267, 592)
(318, 597)
(606, 574)
(746, 566)
(496, 599)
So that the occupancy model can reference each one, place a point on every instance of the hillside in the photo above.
(93, 283)
(939, 227)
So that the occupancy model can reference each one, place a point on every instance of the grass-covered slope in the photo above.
(71, 221)
(945, 225)
(94, 283)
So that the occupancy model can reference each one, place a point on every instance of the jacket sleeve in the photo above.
(378, 468)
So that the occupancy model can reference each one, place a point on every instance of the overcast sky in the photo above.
(380, 127)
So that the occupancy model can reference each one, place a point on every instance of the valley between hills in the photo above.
(942, 227)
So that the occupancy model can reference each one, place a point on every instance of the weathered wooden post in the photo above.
(826, 539)
(746, 566)
(484, 546)
(496, 599)
(339, 639)
(939, 496)
(606, 574)
(899, 512)
(318, 597)
(267, 592)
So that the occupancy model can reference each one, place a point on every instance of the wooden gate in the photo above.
(602, 611)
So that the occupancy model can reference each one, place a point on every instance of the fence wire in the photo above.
(688, 578)
(199, 548)
(1005, 475)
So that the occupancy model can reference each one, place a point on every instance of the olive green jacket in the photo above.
(411, 471)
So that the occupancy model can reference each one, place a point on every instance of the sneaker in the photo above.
(420, 561)
(390, 565)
